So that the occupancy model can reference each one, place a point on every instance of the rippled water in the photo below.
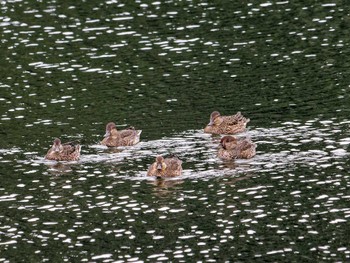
(68, 68)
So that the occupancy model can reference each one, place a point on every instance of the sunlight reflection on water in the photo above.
(67, 68)
(278, 149)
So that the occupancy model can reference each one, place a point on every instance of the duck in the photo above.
(226, 124)
(69, 151)
(232, 148)
(165, 167)
(115, 138)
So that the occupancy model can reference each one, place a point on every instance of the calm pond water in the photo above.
(69, 67)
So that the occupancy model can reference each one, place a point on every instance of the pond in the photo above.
(70, 67)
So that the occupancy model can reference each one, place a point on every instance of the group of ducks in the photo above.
(230, 147)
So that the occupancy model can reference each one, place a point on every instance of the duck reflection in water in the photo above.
(111, 150)
(59, 168)
(233, 180)
(164, 183)
(228, 164)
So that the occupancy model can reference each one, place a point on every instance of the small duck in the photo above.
(170, 167)
(69, 151)
(230, 148)
(226, 124)
(115, 138)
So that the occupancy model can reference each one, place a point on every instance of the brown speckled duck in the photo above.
(226, 124)
(115, 138)
(165, 167)
(69, 151)
(231, 148)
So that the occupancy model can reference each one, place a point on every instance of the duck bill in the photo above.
(107, 134)
(211, 123)
(56, 148)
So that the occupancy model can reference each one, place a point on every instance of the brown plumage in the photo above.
(115, 138)
(69, 151)
(230, 148)
(170, 167)
(226, 124)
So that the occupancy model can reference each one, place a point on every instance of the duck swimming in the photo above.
(115, 138)
(165, 167)
(69, 151)
(226, 124)
(231, 148)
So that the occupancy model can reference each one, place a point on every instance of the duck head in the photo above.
(228, 142)
(109, 127)
(161, 166)
(57, 146)
(215, 118)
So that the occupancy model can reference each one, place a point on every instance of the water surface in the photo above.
(68, 68)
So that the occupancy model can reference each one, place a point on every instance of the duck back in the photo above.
(174, 166)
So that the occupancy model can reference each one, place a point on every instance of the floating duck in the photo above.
(226, 124)
(115, 138)
(69, 151)
(231, 148)
(164, 167)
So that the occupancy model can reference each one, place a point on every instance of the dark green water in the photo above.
(69, 67)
